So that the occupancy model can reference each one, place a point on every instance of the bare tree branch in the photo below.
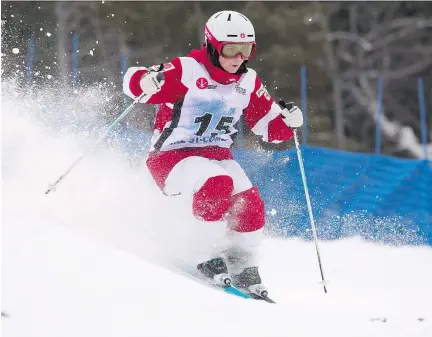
(386, 27)
(403, 136)
(336, 80)
(399, 35)
(347, 36)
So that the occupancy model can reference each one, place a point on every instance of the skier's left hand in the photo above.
(291, 115)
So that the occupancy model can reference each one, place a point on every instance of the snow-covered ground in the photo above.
(99, 256)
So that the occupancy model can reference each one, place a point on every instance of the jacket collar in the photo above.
(217, 74)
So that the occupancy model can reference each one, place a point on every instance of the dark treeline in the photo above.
(345, 46)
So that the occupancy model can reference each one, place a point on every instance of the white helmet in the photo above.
(229, 27)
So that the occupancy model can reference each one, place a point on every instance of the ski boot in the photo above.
(242, 265)
(216, 271)
(249, 279)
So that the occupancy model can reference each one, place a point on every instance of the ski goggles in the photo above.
(232, 49)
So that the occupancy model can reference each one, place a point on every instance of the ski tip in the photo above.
(261, 298)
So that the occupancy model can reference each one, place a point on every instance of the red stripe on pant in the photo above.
(246, 212)
(243, 211)
(212, 200)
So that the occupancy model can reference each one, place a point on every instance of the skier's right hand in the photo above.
(152, 81)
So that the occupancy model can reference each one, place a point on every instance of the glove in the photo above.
(291, 114)
(152, 81)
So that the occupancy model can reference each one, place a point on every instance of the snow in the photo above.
(15, 50)
(100, 256)
(81, 287)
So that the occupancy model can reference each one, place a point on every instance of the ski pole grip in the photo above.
(287, 106)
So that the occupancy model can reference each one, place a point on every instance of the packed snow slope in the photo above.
(102, 256)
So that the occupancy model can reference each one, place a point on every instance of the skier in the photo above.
(201, 98)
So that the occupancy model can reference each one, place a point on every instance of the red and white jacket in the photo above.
(200, 105)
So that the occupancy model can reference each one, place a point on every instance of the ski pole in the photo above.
(312, 222)
(52, 187)
(289, 106)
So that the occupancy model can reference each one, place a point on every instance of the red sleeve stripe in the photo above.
(278, 131)
(258, 106)
(261, 127)
(263, 116)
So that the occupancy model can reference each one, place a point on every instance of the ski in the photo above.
(257, 297)
(238, 292)
(233, 291)
(193, 274)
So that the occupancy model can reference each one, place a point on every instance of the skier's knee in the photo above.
(212, 200)
(246, 213)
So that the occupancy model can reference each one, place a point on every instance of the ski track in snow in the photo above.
(98, 256)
